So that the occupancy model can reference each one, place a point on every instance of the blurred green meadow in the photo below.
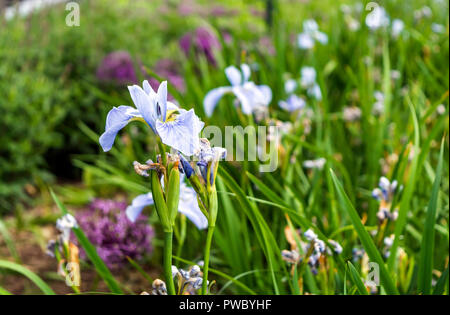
(383, 112)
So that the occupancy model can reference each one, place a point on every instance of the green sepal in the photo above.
(160, 203)
(173, 193)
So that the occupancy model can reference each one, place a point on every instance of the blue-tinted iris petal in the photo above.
(234, 75)
(117, 118)
(246, 72)
(245, 97)
(267, 94)
(188, 206)
(293, 103)
(137, 205)
(162, 99)
(181, 134)
(146, 104)
(212, 98)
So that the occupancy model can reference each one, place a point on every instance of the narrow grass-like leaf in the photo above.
(364, 236)
(442, 282)
(265, 237)
(4, 292)
(140, 270)
(91, 252)
(29, 274)
(220, 274)
(356, 279)
(427, 247)
(266, 190)
(408, 193)
(9, 242)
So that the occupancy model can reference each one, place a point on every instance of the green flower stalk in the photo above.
(166, 201)
(202, 176)
(165, 191)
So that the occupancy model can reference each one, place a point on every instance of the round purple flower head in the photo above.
(117, 67)
(168, 69)
(203, 41)
(114, 236)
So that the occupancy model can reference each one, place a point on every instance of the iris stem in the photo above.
(206, 259)
(168, 236)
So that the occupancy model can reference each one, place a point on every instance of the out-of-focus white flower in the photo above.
(438, 28)
(397, 27)
(389, 240)
(308, 76)
(315, 92)
(250, 95)
(315, 164)
(377, 18)
(290, 86)
(423, 12)
(378, 106)
(441, 109)
(352, 113)
(292, 103)
(395, 74)
(65, 224)
(310, 35)
(346, 9)
(352, 24)
(305, 41)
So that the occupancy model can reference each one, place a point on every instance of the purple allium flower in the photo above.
(115, 237)
(218, 11)
(227, 38)
(203, 41)
(190, 7)
(117, 67)
(168, 69)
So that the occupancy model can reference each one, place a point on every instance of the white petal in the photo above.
(234, 75)
(212, 98)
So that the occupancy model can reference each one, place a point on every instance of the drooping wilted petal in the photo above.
(137, 205)
(181, 134)
(212, 98)
(117, 118)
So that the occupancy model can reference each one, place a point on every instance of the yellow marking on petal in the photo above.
(170, 116)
